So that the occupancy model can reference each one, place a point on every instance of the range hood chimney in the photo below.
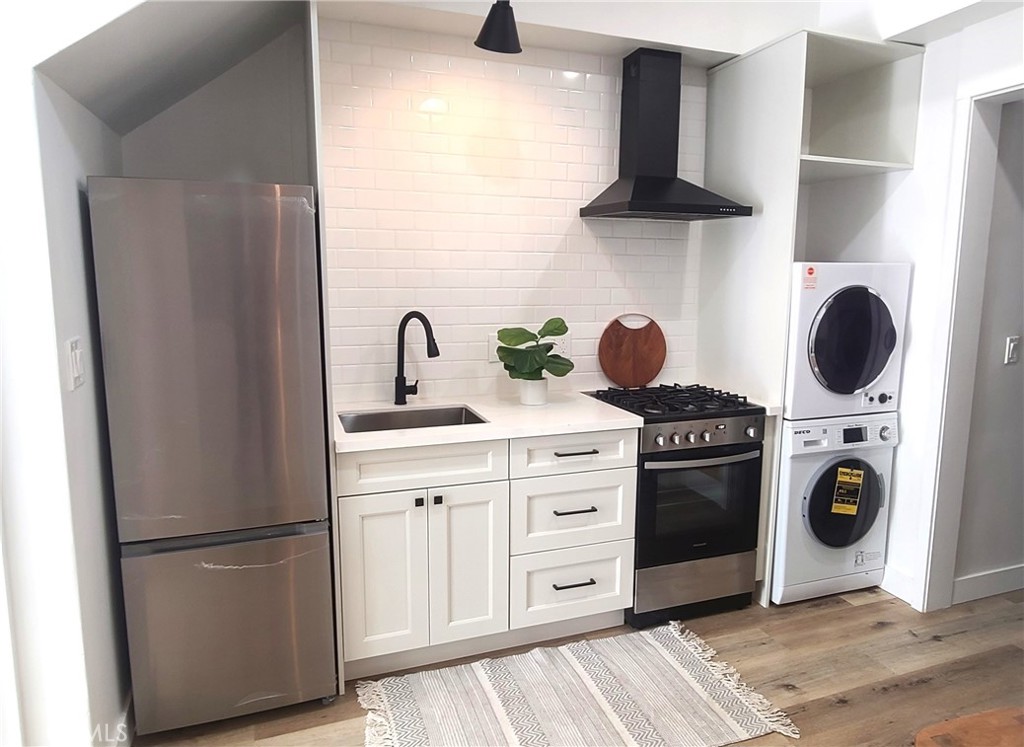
(647, 186)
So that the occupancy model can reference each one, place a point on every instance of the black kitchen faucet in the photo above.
(401, 388)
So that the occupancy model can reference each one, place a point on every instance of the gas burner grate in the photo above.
(674, 400)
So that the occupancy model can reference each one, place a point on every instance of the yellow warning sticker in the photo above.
(847, 494)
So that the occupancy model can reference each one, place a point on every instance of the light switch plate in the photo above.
(74, 363)
(1012, 354)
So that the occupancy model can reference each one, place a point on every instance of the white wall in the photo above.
(39, 551)
(75, 144)
(746, 264)
(990, 541)
(453, 182)
(902, 217)
(248, 124)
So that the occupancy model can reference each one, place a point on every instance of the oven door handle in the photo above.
(703, 462)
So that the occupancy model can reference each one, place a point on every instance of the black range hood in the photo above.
(647, 186)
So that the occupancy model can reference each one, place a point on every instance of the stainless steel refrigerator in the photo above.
(209, 310)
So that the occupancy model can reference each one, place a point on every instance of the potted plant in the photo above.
(526, 357)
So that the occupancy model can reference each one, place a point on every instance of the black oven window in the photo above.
(688, 500)
(687, 510)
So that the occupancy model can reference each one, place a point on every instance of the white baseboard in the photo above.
(375, 665)
(988, 583)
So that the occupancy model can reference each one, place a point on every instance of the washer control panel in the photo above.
(812, 436)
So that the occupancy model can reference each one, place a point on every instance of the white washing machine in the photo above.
(833, 511)
(845, 338)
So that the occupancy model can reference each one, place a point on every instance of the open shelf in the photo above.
(860, 103)
(826, 168)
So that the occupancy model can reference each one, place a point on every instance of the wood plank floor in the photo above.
(850, 670)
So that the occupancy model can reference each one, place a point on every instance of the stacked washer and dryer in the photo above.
(839, 427)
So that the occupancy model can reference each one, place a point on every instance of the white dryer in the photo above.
(845, 338)
(833, 505)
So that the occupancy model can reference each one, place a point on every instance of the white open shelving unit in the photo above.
(782, 120)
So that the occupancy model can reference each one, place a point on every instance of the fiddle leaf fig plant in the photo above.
(526, 355)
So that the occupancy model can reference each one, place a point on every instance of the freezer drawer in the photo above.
(229, 629)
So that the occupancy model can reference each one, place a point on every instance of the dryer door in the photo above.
(851, 340)
(842, 501)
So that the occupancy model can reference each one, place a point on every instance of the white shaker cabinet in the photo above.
(385, 596)
(425, 565)
(572, 525)
(468, 561)
(422, 567)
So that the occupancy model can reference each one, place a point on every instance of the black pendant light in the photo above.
(499, 34)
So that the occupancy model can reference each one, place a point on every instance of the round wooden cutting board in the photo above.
(631, 355)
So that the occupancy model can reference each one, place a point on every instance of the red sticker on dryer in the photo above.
(810, 278)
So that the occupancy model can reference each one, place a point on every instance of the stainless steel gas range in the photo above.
(698, 499)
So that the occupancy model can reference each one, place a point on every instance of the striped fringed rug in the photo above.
(654, 687)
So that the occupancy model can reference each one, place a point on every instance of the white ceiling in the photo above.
(159, 52)
(418, 16)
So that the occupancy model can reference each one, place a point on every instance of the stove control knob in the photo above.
(751, 431)
(675, 438)
(691, 437)
(659, 439)
(706, 435)
(885, 433)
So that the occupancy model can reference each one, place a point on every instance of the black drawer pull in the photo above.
(591, 510)
(419, 502)
(438, 500)
(592, 452)
(556, 587)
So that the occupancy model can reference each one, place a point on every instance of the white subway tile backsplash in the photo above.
(453, 182)
(374, 35)
(585, 62)
(348, 53)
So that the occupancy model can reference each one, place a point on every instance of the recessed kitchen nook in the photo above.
(585, 374)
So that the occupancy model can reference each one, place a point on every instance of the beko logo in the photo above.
(803, 432)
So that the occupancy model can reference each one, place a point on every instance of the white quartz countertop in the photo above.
(565, 412)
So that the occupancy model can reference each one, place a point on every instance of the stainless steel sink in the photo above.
(422, 417)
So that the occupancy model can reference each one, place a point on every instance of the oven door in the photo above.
(697, 504)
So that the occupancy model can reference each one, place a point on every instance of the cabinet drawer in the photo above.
(362, 472)
(572, 452)
(563, 584)
(549, 513)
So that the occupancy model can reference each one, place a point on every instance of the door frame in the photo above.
(972, 181)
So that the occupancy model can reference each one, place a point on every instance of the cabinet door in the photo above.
(468, 561)
(384, 573)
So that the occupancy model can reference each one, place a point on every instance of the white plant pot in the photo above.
(533, 392)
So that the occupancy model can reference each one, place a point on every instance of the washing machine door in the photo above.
(851, 340)
(842, 501)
